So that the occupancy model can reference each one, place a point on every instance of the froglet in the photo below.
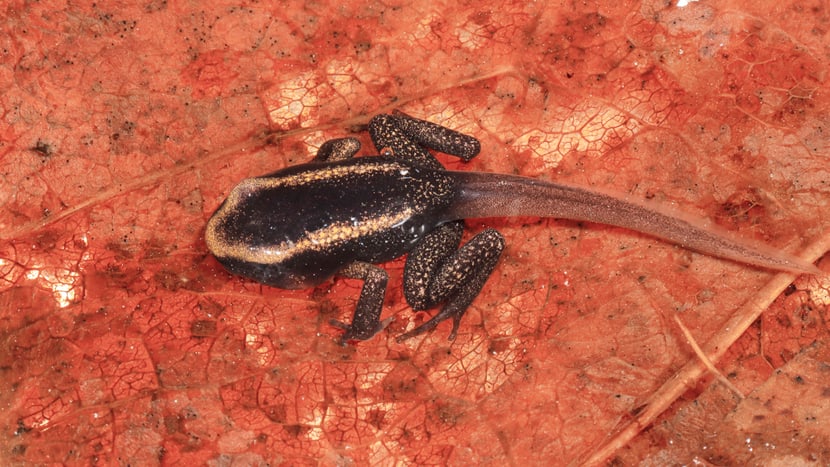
(340, 214)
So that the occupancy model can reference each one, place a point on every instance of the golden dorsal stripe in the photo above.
(236, 247)
(320, 239)
(332, 173)
(327, 173)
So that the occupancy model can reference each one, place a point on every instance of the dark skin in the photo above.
(340, 215)
(436, 270)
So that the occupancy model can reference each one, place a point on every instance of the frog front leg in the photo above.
(366, 320)
(337, 150)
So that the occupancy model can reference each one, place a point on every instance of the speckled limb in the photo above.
(386, 135)
(407, 137)
(366, 320)
(424, 262)
(456, 278)
(337, 150)
(437, 137)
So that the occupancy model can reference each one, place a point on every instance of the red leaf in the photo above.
(124, 341)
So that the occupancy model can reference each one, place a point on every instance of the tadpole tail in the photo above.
(500, 195)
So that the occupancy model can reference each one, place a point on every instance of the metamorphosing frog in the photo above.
(338, 214)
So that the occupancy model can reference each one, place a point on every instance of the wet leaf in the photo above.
(124, 341)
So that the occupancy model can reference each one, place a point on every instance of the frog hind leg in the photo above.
(388, 137)
(437, 271)
(407, 138)
(437, 137)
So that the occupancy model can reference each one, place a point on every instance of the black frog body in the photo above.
(297, 227)
(338, 214)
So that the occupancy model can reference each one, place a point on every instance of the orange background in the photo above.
(123, 128)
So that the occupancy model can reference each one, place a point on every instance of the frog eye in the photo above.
(387, 152)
